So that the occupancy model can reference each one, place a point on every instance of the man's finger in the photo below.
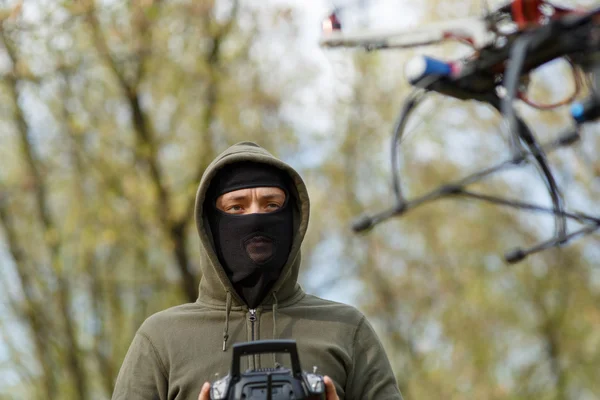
(330, 392)
(204, 393)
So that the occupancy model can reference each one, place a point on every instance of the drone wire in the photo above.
(522, 133)
(461, 39)
(578, 86)
(409, 105)
(414, 99)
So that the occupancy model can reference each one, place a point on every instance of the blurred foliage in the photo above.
(113, 111)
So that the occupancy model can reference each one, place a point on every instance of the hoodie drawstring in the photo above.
(274, 324)
(226, 330)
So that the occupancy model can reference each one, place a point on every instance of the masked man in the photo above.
(251, 214)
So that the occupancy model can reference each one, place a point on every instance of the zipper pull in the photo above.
(225, 337)
(252, 316)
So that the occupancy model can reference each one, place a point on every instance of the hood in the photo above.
(215, 284)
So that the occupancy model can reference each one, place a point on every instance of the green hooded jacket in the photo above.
(175, 351)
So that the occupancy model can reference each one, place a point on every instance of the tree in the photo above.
(114, 111)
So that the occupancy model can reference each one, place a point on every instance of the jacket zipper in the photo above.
(252, 318)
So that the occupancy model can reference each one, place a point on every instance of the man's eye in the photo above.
(236, 207)
(273, 205)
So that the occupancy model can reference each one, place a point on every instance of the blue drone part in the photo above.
(424, 66)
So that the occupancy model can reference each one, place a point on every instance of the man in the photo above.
(251, 214)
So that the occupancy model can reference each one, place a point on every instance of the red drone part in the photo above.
(332, 23)
(529, 13)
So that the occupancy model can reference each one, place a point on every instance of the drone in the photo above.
(508, 44)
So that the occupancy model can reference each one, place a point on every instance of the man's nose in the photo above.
(254, 208)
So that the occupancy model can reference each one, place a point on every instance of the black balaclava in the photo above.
(253, 248)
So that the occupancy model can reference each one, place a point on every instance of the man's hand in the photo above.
(205, 392)
(329, 390)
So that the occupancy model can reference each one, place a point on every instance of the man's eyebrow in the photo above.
(235, 197)
(272, 195)
(241, 197)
